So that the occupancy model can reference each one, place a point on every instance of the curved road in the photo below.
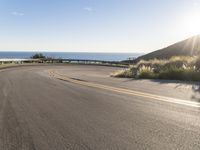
(83, 108)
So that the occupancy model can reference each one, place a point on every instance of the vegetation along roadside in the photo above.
(175, 68)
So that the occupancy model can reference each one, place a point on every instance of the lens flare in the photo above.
(191, 23)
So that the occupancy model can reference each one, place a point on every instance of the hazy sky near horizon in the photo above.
(96, 25)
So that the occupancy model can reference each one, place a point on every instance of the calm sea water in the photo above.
(72, 55)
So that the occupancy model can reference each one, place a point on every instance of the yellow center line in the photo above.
(126, 91)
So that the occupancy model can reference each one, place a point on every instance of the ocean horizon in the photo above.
(72, 55)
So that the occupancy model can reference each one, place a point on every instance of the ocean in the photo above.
(73, 55)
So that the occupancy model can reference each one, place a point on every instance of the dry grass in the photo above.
(175, 68)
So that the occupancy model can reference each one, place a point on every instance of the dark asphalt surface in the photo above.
(39, 112)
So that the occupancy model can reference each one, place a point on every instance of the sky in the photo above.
(137, 26)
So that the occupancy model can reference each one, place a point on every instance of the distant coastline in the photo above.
(72, 55)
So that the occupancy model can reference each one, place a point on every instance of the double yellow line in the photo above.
(125, 91)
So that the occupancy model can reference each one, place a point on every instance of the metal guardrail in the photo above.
(49, 60)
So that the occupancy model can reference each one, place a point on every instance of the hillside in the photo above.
(188, 47)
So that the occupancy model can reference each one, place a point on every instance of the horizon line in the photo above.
(50, 51)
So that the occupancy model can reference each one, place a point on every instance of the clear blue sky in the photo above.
(96, 25)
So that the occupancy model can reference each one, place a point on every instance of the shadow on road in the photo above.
(192, 86)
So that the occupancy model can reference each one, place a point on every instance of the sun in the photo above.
(191, 23)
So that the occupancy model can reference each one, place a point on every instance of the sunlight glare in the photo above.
(191, 23)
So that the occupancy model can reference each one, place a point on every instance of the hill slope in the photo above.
(188, 47)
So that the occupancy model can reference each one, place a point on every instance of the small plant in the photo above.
(146, 72)
(126, 73)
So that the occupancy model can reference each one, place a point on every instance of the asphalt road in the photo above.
(87, 109)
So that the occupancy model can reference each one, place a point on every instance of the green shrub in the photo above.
(180, 74)
(197, 63)
(127, 73)
(147, 74)
(38, 56)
